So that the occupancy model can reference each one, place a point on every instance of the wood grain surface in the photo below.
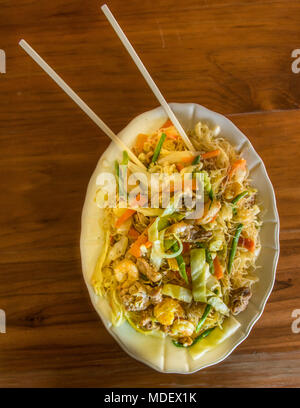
(233, 57)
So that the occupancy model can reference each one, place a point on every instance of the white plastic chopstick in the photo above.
(62, 84)
(146, 75)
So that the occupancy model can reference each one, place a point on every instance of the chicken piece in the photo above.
(140, 222)
(186, 341)
(189, 232)
(134, 297)
(155, 295)
(239, 300)
(166, 311)
(146, 269)
(197, 235)
(182, 328)
(126, 270)
(147, 321)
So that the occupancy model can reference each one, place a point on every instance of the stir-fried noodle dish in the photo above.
(169, 274)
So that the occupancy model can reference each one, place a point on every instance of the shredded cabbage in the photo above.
(177, 292)
(217, 303)
(157, 237)
(198, 269)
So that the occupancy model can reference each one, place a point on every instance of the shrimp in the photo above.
(126, 270)
(166, 311)
(211, 210)
(182, 328)
(178, 228)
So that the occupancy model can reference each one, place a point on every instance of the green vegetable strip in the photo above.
(203, 318)
(180, 262)
(236, 199)
(158, 147)
(209, 261)
(125, 158)
(201, 336)
(164, 222)
(211, 195)
(117, 168)
(168, 243)
(234, 246)
(124, 162)
(196, 160)
(198, 268)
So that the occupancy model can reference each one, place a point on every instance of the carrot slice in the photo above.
(247, 243)
(168, 123)
(186, 248)
(126, 214)
(135, 248)
(209, 155)
(133, 233)
(218, 268)
(188, 159)
(238, 164)
(179, 166)
(139, 144)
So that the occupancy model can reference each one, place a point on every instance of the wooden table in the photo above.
(233, 57)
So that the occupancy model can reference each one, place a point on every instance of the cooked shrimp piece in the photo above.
(179, 227)
(126, 270)
(146, 269)
(211, 210)
(166, 311)
(134, 297)
(117, 250)
(182, 328)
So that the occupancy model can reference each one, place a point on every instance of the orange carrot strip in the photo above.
(129, 212)
(135, 248)
(186, 248)
(238, 164)
(218, 268)
(168, 123)
(188, 159)
(179, 166)
(209, 155)
(247, 243)
(214, 218)
(148, 244)
(133, 233)
(126, 214)
(139, 144)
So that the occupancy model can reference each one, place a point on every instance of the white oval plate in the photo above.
(160, 353)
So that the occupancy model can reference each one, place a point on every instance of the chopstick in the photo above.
(92, 115)
(146, 75)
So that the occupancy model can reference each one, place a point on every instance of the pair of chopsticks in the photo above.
(92, 115)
